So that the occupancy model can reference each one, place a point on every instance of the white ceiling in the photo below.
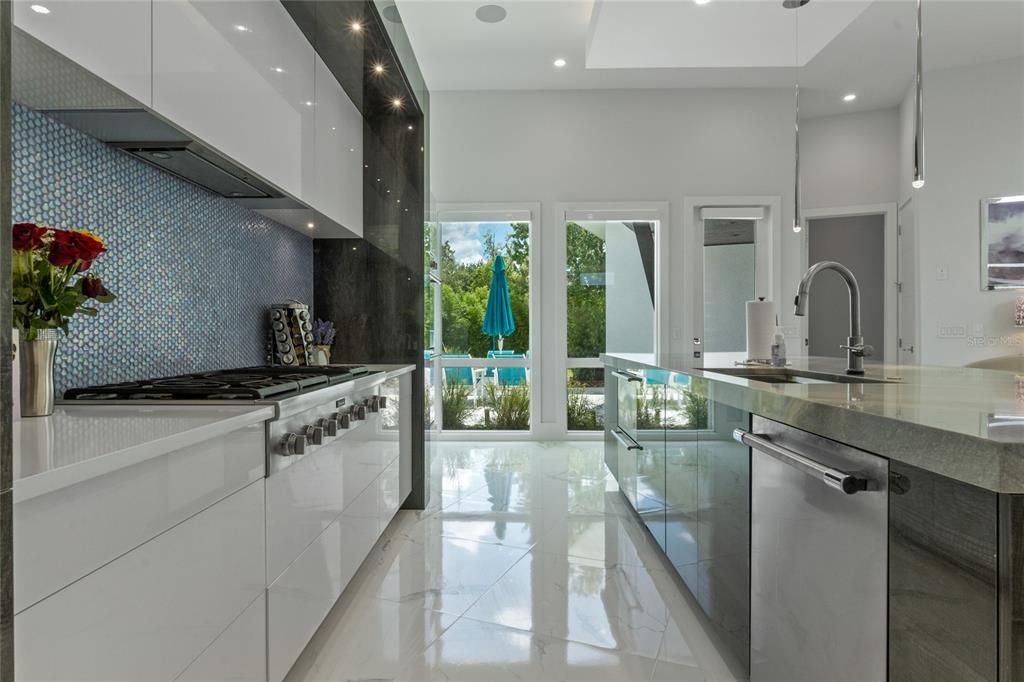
(846, 45)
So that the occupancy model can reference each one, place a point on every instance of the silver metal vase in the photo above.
(35, 360)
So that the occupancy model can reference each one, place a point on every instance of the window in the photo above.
(481, 377)
(610, 304)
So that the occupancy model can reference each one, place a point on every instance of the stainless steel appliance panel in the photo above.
(818, 558)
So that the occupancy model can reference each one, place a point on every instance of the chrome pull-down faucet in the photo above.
(854, 347)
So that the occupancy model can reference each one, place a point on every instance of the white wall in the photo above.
(974, 148)
(850, 159)
(629, 311)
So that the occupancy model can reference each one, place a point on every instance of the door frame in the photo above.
(915, 322)
(557, 344)
(691, 252)
(890, 295)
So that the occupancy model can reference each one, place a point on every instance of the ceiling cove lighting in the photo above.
(850, 97)
(559, 63)
(40, 9)
(918, 181)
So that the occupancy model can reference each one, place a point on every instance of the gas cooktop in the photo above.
(247, 383)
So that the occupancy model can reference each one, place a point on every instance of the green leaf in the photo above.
(91, 312)
(105, 298)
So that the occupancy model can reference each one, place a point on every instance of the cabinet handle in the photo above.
(620, 374)
(625, 440)
(834, 478)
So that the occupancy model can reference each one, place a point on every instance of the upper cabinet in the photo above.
(110, 38)
(239, 76)
(337, 189)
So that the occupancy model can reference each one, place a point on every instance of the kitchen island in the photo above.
(947, 586)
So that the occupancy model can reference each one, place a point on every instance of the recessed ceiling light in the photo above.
(311, 225)
(278, 69)
(309, 103)
(356, 26)
(410, 127)
(40, 9)
(397, 102)
(701, 2)
(378, 68)
(351, 149)
(242, 28)
(491, 14)
(559, 63)
(850, 97)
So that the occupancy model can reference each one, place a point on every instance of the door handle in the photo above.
(625, 440)
(833, 478)
(628, 376)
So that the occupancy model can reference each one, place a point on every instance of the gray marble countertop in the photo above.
(967, 424)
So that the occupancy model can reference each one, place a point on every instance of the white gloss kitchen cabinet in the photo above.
(337, 188)
(141, 554)
(110, 38)
(239, 76)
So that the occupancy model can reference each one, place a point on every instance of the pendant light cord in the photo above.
(797, 220)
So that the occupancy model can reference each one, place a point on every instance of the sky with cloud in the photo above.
(467, 239)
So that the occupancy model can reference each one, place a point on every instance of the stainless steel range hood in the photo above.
(143, 135)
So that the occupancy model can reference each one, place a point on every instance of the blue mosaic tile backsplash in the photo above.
(193, 272)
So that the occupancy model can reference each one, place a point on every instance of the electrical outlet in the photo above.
(952, 331)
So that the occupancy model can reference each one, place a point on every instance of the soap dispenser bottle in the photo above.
(779, 348)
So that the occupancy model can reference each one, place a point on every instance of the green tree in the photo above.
(585, 255)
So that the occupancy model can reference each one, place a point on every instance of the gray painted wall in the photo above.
(858, 242)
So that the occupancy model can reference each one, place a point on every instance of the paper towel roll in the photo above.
(760, 329)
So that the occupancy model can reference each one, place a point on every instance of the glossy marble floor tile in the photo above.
(526, 565)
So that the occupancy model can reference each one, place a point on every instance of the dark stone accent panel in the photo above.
(943, 591)
(1011, 587)
(7, 585)
(372, 288)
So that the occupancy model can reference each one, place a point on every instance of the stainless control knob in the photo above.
(329, 425)
(344, 420)
(382, 402)
(314, 434)
(374, 404)
(360, 412)
(293, 444)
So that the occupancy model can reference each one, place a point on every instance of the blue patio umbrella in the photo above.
(498, 320)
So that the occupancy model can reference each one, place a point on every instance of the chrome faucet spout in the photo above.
(855, 348)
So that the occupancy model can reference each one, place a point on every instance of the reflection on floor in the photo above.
(526, 566)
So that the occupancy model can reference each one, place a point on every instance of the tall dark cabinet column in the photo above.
(372, 288)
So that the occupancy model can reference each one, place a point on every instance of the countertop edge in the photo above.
(994, 466)
(63, 477)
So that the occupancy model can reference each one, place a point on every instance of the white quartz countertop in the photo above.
(967, 424)
(79, 442)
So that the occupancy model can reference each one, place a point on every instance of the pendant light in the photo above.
(797, 221)
(918, 181)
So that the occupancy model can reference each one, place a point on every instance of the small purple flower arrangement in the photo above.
(323, 332)
(323, 339)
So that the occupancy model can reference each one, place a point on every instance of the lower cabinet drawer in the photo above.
(360, 527)
(150, 613)
(300, 598)
(240, 653)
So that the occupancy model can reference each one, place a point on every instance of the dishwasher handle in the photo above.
(834, 478)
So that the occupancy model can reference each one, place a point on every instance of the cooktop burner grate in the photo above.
(247, 383)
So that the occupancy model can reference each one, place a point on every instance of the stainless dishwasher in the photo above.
(819, 554)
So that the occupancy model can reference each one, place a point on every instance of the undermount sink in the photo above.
(785, 375)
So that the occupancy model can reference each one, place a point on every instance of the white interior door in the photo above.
(907, 288)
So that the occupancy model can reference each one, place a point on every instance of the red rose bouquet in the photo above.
(46, 266)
